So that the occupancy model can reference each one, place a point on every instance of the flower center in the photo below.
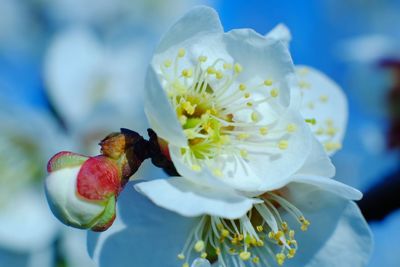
(217, 112)
(251, 238)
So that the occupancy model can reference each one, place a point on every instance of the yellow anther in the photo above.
(181, 256)
(324, 98)
(256, 259)
(284, 226)
(304, 85)
(238, 68)
(319, 131)
(225, 233)
(331, 131)
(218, 251)
(203, 255)
(271, 235)
(260, 243)
(245, 255)
(242, 87)
(304, 223)
(311, 121)
(283, 144)
(167, 63)
(199, 246)
(330, 146)
(211, 70)
(280, 258)
(278, 235)
(232, 250)
(187, 73)
(202, 58)
(260, 228)
(196, 167)
(183, 119)
(243, 136)
(249, 104)
(240, 237)
(227, 66)
(246, 95)
(181, 52)
(189, 108)
(185, 264)
(274, 92)
(220, 226)
(219, 75)
(244, 154)
(291, 253)
(255, 117)
(217, 172)
(263, 130)
(291, 128)
(234, 241)
(268, 82)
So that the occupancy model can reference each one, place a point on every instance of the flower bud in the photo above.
(82, 191)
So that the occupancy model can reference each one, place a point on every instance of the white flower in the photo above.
(82, 191)
(249, 163)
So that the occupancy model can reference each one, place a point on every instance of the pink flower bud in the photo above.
(82, 191)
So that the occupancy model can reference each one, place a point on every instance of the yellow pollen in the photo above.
(256, 260)
(280, 258)
(291, 234)
(291, 128)
(203, 255)
(263, 130)
(187, 73)
(189, 108)
(330, 146)
(245, 255)
(274, 92)
(211, 70)
(242, 87)
(243, 136)
(331, 131)
(304, 223)
(217, 172)
(181, 256)
(255, 117)
(202, 59)
(249, 104)
(246, 95)
(323, 98)
(238, 68)
(199, 246)
(260, 228)
(291, 253)
(243, 153)
(185, 264)
(227, 66)
(181, 52)
(218, 251)
(196, 167)
(219, 75)
(268, 82)
(225, 233)
(232, 250)
(283, 144)
(167, 63)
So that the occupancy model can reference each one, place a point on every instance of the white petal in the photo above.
(64, 202)
(277, 169)
(338, 235)
(280, 32)
(324, 101)
(329, 185)
(159, 112)
(200, 20)
(72, 64)
(318, 162)
(150, 236)
(188, 199)
(262, 57)
(26, 224)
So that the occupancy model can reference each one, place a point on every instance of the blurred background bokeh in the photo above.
(71, 71)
